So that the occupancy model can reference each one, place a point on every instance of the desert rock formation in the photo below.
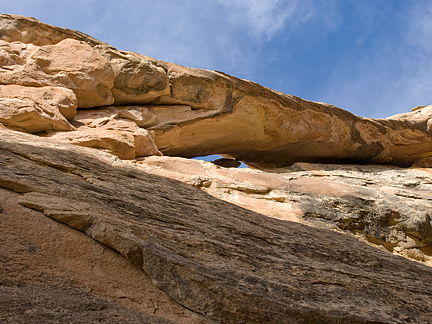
(221, 261)
(386, 206)
(51, 273)
(193, 112)
(93, 230)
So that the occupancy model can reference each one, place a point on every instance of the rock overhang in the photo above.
(194, 112)
(137, 108)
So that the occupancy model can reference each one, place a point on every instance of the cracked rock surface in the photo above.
(224, 262)
(383, 205)
(193, 112)
(93, 230)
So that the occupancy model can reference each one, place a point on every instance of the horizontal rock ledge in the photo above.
(266, 128)
(196, 112)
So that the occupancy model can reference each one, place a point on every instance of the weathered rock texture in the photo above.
(127, 78)
(112, 129)
(225, 262)
(194, 112)
(139, 247)
(50, 273)
(387, 206)
(262, 127)
(37, 109)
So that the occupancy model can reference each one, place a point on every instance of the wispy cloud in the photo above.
(265, 18)
(376, 70)
(393, 73)
(419, 23)
(218, 34)
(227, 35)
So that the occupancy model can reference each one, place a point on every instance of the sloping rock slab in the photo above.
(33, 287)
(52, 273)
(217, 259)
(385, 205)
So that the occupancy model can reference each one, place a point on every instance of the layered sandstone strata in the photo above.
(221, 261)
(193, 112)
(197, 258)
(386, 206)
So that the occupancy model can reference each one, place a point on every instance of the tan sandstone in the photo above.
(196, 112)
(106, 129)
(265, 128)
(386, 206)
(224, 262)
(71, 64)
(137, 78)
(200, 251)
(37, 109)
(51, 272)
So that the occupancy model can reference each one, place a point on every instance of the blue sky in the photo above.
(370, 57)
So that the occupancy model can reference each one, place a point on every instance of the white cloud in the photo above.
(261, 18)
(227, 35)
(265, 19)
(419, 22)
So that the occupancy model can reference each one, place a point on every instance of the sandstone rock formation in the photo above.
(37, 109)
(264, 128)
(197, 112)
(50, 273)
(224, 262)
(383, 205)
(112, 129)
(139, 247)
(70, 64)
(127, 78)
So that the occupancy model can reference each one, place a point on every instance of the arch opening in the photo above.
(222, 161)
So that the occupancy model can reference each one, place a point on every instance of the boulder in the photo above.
(138, 78)
(227, 163)
(197, 88)
(37, 109)
(70, 64)
(421, 114)
(105, 129)
(28, 30)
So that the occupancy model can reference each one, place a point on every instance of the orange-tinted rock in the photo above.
(138, 78)
(196, 112)
(37, 109)
(70, 64)
(266, 128)
(103, 129)
(228, 264)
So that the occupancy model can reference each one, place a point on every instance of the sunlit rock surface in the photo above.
(98, 227)
(221, 261)
(195, 112)
(383, 205)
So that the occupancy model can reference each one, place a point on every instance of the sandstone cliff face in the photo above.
(224, 262)
(51, 273)
(193, 258)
